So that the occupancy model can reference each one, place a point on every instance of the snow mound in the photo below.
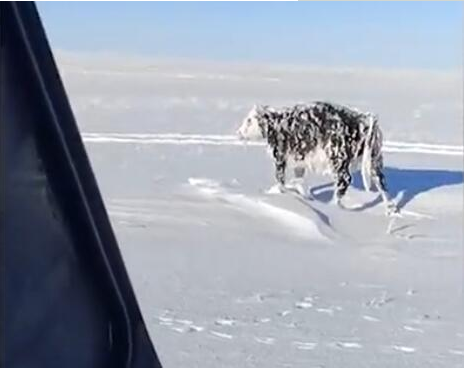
(294, 222)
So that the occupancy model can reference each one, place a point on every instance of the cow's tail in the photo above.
(367, 156)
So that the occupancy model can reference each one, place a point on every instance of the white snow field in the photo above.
(229, 275)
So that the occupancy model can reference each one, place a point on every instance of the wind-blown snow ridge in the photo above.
(298, 224)
(231, 140)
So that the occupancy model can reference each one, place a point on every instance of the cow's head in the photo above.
(251, 127)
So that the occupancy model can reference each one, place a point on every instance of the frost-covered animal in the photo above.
(324, 138)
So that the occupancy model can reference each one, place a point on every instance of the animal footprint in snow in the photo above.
(378, 302)
(304, 345)
(265, 340)
(165, 320)
(262, 320)
(413, 329)
(303, 305)
(179, 329)
(195, 328)
(369, 318)
(347, 345)
(306, 303)
(221, 335)
(186, 325)
(225, 322)
(183, 321)
(284, 313)
(256, 298)
(329, 311)
(188, 328)
(406, 349)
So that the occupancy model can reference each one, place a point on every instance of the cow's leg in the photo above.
(340, 164)
(297, 183)
(299, 172)
(280, 173)
(280, 170)
(342, 183)
(379, 181)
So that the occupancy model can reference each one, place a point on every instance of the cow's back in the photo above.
(341, 127)
(306, 128)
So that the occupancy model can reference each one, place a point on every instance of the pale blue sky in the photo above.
(371, 34)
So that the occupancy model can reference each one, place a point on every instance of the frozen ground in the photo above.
(228, 275)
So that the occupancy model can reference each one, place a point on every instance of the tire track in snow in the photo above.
(231, 140)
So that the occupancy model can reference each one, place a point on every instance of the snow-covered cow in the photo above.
(324, 138)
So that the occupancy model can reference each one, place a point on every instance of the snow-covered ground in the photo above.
(228, 275)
